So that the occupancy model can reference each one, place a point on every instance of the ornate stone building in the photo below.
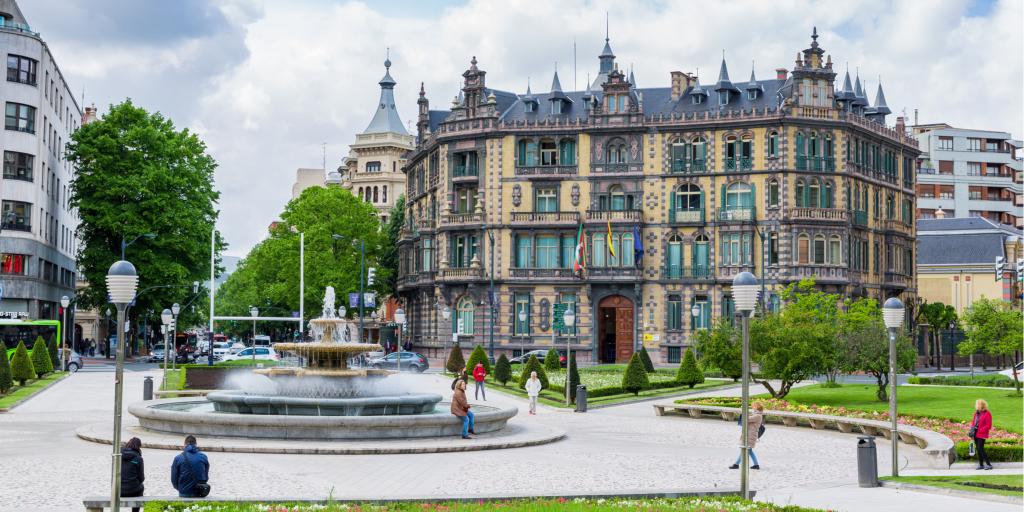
(674, 189)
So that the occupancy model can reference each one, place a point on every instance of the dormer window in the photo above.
(752, 94)
(556, 107)
(530, 107)
(723, 97)
(697, 99)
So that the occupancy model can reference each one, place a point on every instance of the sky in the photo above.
(270, 84)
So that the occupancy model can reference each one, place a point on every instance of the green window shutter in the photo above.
(702, 199)
(672, 200)
(723, 196)
(753, 199)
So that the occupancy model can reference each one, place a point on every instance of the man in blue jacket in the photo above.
(189, 468)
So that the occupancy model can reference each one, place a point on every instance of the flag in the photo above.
(581, 250)
(611, 245)
(638, 247)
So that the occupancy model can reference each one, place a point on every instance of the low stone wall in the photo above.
(211, 377)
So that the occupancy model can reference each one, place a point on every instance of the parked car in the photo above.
(157, 354)
(1009, 371)
(74, 362)
(265, 353)
(541, 354)
(410, 361)
(220, 349)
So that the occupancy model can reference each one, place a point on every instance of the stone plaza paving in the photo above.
(44, 466)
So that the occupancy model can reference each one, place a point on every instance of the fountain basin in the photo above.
(198, 417)
(240, 402)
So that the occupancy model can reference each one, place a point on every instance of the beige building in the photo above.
(307, 178)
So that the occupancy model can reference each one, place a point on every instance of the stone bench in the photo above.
(939, 448)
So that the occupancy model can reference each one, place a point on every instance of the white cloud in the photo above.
(277, 80)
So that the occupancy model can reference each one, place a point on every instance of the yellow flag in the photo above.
(611, 245)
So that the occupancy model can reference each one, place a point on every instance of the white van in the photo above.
(261, 340)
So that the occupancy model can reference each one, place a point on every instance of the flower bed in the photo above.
(1007, 446)
(718, 504)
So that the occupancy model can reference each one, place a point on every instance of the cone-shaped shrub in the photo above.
(41, 361)
(533, 365)
(456, 363)
(689, 373)
(21, 365)
(645, 358)
(6, 380)
(574, 375)
(551, 361)
(503, 370)
(635, 379)
(478, 355)
(54, 355)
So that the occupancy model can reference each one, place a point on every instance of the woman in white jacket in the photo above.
(533, 387)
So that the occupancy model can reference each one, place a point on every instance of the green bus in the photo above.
(13, 331)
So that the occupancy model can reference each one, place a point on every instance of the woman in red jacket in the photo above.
(980, 427)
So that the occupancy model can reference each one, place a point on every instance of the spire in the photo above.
(753, 85)
(723, 78)
(846, 81)
(880, 106)
(423, 94)
(752, 79)
(528, 93)
(386, 119)
(859, 97)
(556, 85)
(632, 80)
(606, 59)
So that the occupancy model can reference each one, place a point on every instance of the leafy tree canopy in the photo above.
(993, 327)
(865, 344)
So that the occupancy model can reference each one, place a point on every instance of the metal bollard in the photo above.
(147, 388)
(867, 462)
(581, 398)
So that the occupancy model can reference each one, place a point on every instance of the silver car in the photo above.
(74, 362)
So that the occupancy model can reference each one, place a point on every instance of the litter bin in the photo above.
(581, 398)
(867, 462)
(147, 388)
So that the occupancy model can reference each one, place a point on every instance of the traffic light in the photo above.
(999, 267)
(371, 273)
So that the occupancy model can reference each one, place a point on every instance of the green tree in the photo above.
(573, 376)
(21, 365)
(478, 355)
(722, 348)
(645, 358)
(937, 316)
(502, 370)
(389, 254)
(533, 365)
(6, 379)
(865, 344)
(137, 174)
(799, 341)
(994, 327)
(41, 362)
(689, 373)
(456, 362)
(634, 380)
(51, 345)
(552, 362)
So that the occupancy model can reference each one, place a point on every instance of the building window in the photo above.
(14, 264)
(620, 243)
(567, 152)
(556, 107)
(674, 257)
(729, 309)
(530, 106)
(803, 250)
(703, 319)
(736, 248)
(835, 250)
(545, 199)
(465, 200)
(674, 313)
(21, 69)
(773, 145)
(547, 251)
(773, 248)
(372, 166)
(974, 168)
(548, 151)
(20, 118)
(773, 194)
(568, 251)
(528, 155)
(18, 166)
(384, 199)
(617, 198)
(819, 250)
(739, 196)
(616, 153)
(17, 215)
(463, 250)
(687, 198)
(723, 98)
(522, 319)
(464, 316)
(946, 143)
(697, 99)
(673, 354)
(524, 251)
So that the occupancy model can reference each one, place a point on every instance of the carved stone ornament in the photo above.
(545, 320)
(575, 194)
(517, 195)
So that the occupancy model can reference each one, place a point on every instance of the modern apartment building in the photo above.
(37, 241)
(969, 173)
(636, 207)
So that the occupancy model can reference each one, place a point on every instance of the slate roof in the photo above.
(385, 117)
(959, 249)
(964, 224)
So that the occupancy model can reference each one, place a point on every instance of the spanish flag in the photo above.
(611, 245)
(581, 250)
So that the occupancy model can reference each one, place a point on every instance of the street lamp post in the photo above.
(64, 303)
(569, 320)
(490, 298)
(105, 347)
(124, 245)
(744, 293)
(521, 315)
(362, 276)
(446, 313)
(254, 312)
(166, 317)
(175, 309)
(400, 320)
(892, 314)
(122, 282)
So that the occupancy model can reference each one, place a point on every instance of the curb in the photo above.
(663, 397)
(952, 492)
(33, 395)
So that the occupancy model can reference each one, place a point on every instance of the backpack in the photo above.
(760, 431)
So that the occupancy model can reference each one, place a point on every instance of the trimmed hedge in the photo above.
(478, 355)
(574, 375)
(41, 360)
(998, 450)
(552, 362)
(6, 379)
(502, 370)
(21, 365)
(617, 390)
(533, 365)
(456, 361)
(992, 381)
(645, 358)
(689, 374)
(634, 379)
(54, 355)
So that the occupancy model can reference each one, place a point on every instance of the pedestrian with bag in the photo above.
(981, 425)
(190, 471)
(132, 470)
(460, 408)
(755, 429)
(533, 387)
(460, 377)
(479, 374)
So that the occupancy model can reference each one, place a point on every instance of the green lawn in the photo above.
(721, 504)
(951, 402)
(18, 394)
(964, 483)
(557, 399)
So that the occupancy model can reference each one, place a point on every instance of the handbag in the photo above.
(974, 428)
(202, 489)
(970, 449)
(760, 431)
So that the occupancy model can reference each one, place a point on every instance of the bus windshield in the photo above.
(13, 331)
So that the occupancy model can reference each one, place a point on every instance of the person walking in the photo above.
(479, 373)
(980, 427)
(754, 424)
(92, 348)
(460, 408)
(533, 387)
(132, 471)
(190, 471)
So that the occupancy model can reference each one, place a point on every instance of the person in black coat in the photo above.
(132, 470)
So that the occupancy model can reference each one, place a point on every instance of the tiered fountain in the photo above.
(322, 399)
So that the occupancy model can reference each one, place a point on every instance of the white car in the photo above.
(221, 349)
(1009, 371)
(265, 353)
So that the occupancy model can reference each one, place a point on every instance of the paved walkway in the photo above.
(627, 448)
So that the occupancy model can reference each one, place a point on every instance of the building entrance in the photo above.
(615, 329)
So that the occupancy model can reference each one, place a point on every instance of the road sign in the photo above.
(558, 314)
(369, 300)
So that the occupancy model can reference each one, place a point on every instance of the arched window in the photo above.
(835, 250)
(527, 152)
(814, 193)
(548, 152)
(567, 151)
(621, 153)
(773, 145)
(674, 257)
(800, 193)
(360, 194)
(747, 147)
(819, 249)
(801, 158)
(625, 250)
(731, 148)
(698, 154)
(385, 195)
(617, 198)
(803, 249)
(701, 267)
(680, 155)
(812, 147)
(739, 195)
(773, 193)
(464, 316)
(856, 197)
(828, 199)
(598, 249)
(687, 198)
(376, 196)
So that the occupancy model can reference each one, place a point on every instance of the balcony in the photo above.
(464, 171)
(686, 217)
(824, 274)
(546, 218)
(688, 166)
(815, 163)
(614, 216)
(860, 218)
(892, 225)
(617, 168)
(896, 280)
(457, 219)
(425, 224)
(739, 164)
(614, 273)
(547, 170)
(17, 225)
(455, 274)
(542, 273)
(818, 214)
(739, 214)
(688, 273)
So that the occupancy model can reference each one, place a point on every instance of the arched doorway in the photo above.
(615, 330)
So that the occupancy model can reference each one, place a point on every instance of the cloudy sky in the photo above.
(268, 83)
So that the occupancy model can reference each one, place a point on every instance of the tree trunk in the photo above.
(883, 384)
(768, 386)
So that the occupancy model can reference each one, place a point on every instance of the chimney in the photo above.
(780, 73)
(89, 115)
(901, 125)
(678, 85)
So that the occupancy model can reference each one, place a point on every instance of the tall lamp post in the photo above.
(490, 298)
(124, 245)
(521, 315)
(64, 303)
(166, 317)
(569, 320)
(400, 320)
(744, 293)
(892, 314)
(175, 309)
(254, 312)
(446, 313)
(122, 282)
(105, 347)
